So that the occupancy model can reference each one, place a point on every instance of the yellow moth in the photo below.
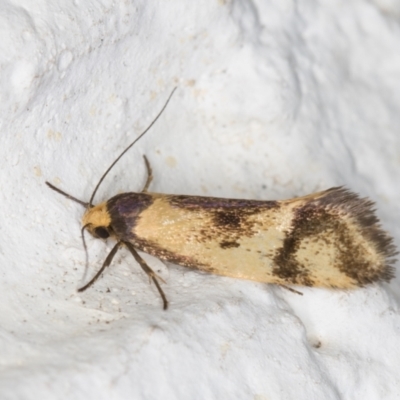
(327, 239)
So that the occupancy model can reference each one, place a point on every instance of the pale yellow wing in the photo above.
(330, 239)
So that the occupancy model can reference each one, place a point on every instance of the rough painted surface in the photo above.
(275, 100)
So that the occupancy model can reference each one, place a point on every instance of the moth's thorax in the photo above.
(125, 209)
(97, 216)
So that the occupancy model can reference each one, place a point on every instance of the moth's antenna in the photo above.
(118, 158)
(68, 196)
(86, 252)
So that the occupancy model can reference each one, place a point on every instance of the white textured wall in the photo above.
(275, 99)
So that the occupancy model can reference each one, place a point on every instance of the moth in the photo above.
(329, 239)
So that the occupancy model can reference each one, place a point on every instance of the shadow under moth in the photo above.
(327, 239)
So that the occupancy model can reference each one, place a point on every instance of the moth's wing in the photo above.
(336, 236)
(330, 238)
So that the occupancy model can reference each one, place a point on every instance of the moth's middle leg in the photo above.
(149, 175)
(152, 275)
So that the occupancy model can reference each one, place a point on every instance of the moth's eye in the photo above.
(101, 232)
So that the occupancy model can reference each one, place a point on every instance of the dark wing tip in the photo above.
(362, 211)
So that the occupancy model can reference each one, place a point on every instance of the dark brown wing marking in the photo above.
(318, 219)
(230, 217)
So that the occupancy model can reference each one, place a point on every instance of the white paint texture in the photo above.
(275, 99)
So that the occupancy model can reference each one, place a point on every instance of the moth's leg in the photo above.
(149, 174)
(291, 289)
(152, 275)
(106, 263)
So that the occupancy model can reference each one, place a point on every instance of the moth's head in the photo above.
(97, 221)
